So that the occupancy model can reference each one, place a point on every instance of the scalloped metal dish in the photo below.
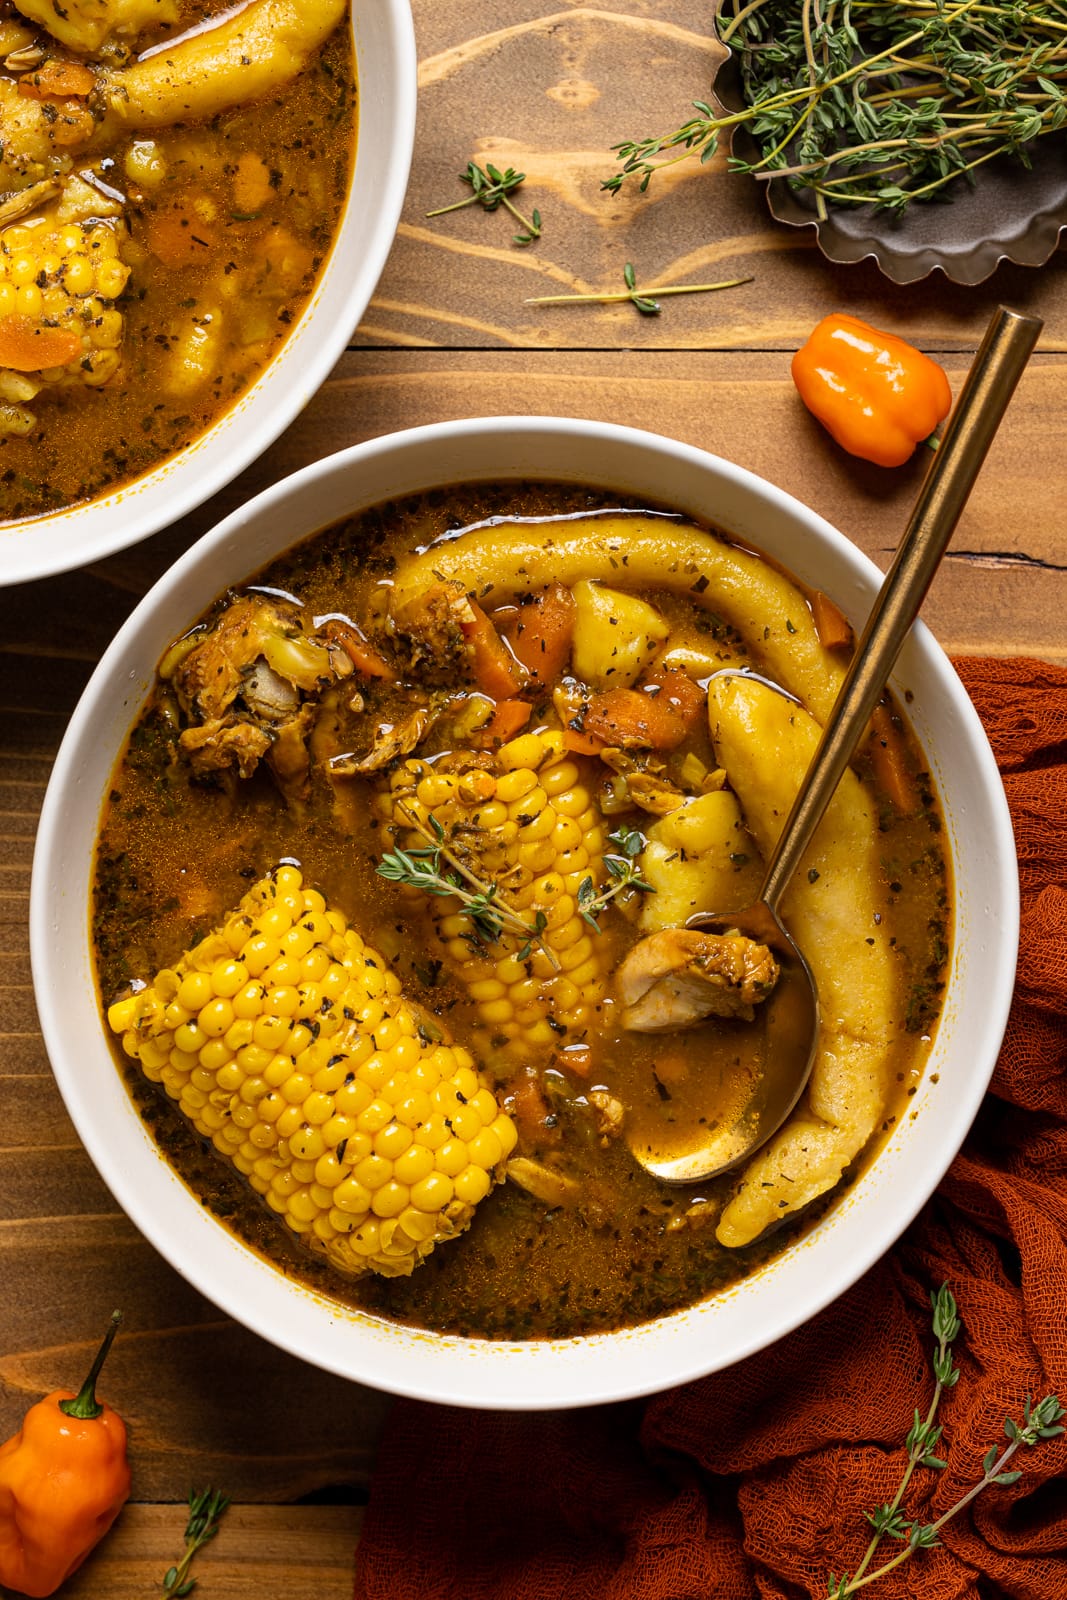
(1010, 214)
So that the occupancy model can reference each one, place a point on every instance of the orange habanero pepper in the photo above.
(64, 1478)
(875, 393)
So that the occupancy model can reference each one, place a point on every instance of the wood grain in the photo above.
(295, 1552)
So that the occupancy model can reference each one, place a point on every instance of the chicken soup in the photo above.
(391, 902)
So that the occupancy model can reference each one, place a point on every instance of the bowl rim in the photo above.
(45, 546)
(502, 1374)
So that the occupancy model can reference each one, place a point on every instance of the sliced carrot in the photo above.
(57, 80)
(178, 237)
(655, 717)
(686, 699)
(528, 1105)
(504, 724)
(889, 759)
(367, 660)
(540, 631)
(29, 346)
(496, 671)
(831, 624)
(581, 744)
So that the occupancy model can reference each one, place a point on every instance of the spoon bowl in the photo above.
(790, 1014)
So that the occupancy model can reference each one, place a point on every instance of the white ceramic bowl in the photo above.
(868, 1218)
(386, 66)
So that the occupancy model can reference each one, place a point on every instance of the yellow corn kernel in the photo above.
(340, 1127)
(531, 813)
(53, 275)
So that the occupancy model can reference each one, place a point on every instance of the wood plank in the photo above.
(204, 1399)
(549, 90)
(1002, 590)
(301, 1552)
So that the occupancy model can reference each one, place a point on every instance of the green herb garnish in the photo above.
(206, 1507)
(1038, 1422)
(865, 102)
(490, 189)
(643, 299)
(623, 871)
(488, 913)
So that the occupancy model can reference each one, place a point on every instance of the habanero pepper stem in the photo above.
(64, 1478)
(876, 394)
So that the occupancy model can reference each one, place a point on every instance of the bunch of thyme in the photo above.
(866, 102)
(1041, 1421)
(623, 871)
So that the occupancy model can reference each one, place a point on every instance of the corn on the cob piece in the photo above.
(524, 820)
(59, 279)
(288, 1043)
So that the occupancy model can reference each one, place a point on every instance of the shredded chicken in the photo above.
(248, 688)
(391, 741)
(677, 977)
(611, 1114)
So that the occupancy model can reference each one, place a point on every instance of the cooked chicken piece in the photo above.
(391, 741)
(611, 1114)
(267, 695)
(656, 795)
(225, 744)
(252, 633)
(289, 758)
(249, 686)
(83, 25)
(677, 977)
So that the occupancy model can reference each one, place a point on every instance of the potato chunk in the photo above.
(615, 635)
(699, 858)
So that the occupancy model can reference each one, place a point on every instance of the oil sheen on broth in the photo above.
(617, 616)
(169, 191)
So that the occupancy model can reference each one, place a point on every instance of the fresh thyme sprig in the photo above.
(1038, 1422)
(872, 102)
(490, 189)
(489, 915)
(206, 1507)
(641, 298)
(623, 871)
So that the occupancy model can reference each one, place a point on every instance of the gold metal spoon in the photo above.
(790, 1016)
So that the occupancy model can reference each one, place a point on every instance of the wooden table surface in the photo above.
(547, 90)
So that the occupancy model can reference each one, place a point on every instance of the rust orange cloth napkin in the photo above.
(755, 1482)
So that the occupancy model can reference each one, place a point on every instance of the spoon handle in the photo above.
(989, 385)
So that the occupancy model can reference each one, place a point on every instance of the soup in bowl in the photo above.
(196, 202)
(387, 852)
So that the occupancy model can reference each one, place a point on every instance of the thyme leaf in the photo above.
(490, 189)
(646, 300)
(206, 1507)
(1041, 1421)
